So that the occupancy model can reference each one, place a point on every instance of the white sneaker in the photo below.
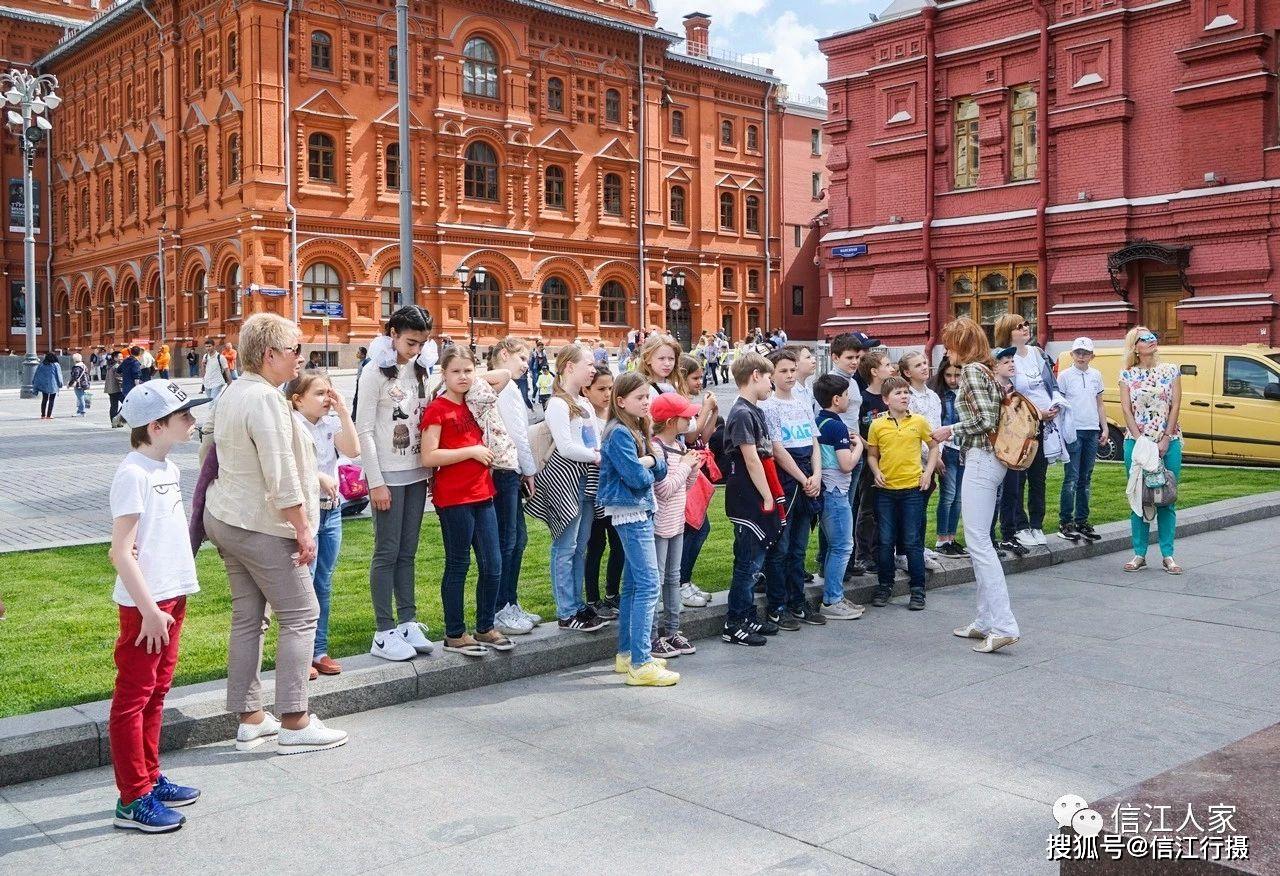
(932, 565)
(416, 635)
(250, 736)
(510, 623)
(391, 645)
(1026, 537)
(313, 737)
(534, 619)
(900, 562)
(1039, 537)
(930, 554)
(704, 594)
(842, 610)
(690, 597)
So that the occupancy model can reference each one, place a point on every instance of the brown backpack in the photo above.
(1017, 437)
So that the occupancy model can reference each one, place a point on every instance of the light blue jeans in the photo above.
(569, 560)
(639, 595)
(79, 402)
(837, 527)
(328, 544)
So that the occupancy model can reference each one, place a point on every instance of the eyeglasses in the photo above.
(296, 350)
(1022, 325)
(1147, 338)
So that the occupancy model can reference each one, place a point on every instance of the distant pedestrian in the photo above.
(229, 353)
(130, 371)
(47, 382)
(111, 386)
(193, 363)
(79, 381)
(214, 371)
(96, 361)
(162, 362)
(148, 363)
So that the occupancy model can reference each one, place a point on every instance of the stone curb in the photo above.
(70, 739)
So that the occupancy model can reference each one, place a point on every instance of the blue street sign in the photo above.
(848, 251)
(334, 309)
(271, 291)
(325, 308)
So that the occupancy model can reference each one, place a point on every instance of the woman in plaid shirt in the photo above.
(978, 406)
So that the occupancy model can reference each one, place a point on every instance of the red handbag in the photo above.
(351, 482)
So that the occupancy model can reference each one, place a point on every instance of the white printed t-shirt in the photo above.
(151, 489)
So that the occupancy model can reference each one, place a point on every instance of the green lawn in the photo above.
(56, 646)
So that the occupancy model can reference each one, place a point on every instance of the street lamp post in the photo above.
(28, 97)
(673, 282)
(469, 284)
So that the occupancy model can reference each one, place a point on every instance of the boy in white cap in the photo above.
(1081, 386)
(151, 593)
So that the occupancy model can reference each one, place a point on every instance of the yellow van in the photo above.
(1230, 401)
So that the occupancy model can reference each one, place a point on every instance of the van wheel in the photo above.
(1114, 451)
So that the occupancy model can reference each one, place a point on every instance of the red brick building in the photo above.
(202, 171)
(1090, 164)
(803, 181)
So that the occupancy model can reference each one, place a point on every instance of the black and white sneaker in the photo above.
(662, 648)
(1068, 532)
(764, 627)
(1013, 546)
(1086, 529)
(741, 634)
(783, 620)
(604, 610)
(808, 615)
(585, 621)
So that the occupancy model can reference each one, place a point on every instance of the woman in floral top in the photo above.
(1151, 398)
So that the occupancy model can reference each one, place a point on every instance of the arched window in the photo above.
(677, 205)
(389, 291)
(612, 194)
(200, 169)
(480, 69)
(753, 318)
(486, 299)
(966, 143)
(157, 179)
(480, 175)
(753, 214)
(133, 308)
(753, 282)
(233, 158)
(110, 309)
(197, 70)
(612, 106)
(392, 59)
(233, 52)
(753, 138)
(677, 123)
(726, 133)
(131, 193)
(108, 202)
(555, 300)
(994, 282)
(320, 158)
(727, 279)
(555, 95)
(727, 208)
(613, 304)
(231, 288)
(321, 51)
(393, 167)
(321, 283)
(200, 289)
(553, 186)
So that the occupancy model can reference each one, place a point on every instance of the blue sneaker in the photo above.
(172, 795)
(148, 815)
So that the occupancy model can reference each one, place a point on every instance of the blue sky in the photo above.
(775, 33)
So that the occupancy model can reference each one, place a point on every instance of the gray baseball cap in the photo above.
(148, 402)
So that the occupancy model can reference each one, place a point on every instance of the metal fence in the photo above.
(11, 370)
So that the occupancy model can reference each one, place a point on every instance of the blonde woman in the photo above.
(1151, 399)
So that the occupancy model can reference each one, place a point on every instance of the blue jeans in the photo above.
(1077, 478)
(569, 560)
(512, 534)
(639, 594)
(837, 526)
(949, 492)
(899, 512)
(693, 542)
(851, 497)
(748, 561)
(214, 391)
(466, 527)
(79, 401)
(784, 562)
(328, 543)
(1166, 517)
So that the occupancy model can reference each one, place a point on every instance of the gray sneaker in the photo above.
(842, 610)
(510, 622)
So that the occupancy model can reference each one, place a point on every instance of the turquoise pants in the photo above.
(1167, 517)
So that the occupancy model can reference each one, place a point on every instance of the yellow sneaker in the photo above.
(622, 663)
(652, 675)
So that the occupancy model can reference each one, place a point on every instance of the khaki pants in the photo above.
(261, 574)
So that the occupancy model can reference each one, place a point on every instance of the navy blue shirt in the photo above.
(130, 374)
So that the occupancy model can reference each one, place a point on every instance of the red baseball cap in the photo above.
(670, 405)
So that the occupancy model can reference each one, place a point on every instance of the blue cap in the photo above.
(1004, 352)
(865, 341)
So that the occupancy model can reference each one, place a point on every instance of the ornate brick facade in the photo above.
(537, 153)
(1088, 163)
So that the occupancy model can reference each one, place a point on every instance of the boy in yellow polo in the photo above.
(893, 452)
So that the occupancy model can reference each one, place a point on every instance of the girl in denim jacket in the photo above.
(628, 469)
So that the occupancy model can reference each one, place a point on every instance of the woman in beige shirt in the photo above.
(262, 512)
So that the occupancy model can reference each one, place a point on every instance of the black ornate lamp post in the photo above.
(469, 283)
(673, 281)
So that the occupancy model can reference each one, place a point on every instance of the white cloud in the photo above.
(723, 12)
(793, 54)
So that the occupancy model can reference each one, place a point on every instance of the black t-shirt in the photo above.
(746, 425)
(872, 406)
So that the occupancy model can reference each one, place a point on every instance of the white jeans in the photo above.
(983, 474)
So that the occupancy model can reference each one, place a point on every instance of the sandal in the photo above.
(495, 640)
(1171, 566)
(467, 646)
(1136, 564)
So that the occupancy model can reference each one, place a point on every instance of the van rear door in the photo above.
(1196, 419)
(1246, 421)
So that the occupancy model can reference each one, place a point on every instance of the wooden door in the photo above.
(1160, 296)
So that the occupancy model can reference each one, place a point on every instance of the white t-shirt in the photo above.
(322, 433)
(151, 489)
(213, 365)
(1029, 379)
(790, 421)
(1081, 390)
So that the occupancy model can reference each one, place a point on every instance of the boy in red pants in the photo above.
(155, 572)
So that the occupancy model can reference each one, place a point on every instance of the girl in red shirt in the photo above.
(463, 491)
